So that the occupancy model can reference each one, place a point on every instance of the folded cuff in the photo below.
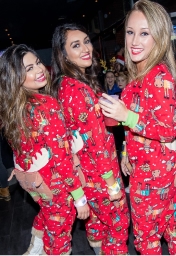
(78, 193)
(107, 175)
(132, 119)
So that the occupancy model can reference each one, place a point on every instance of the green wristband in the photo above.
(132, 119)
(76, 194)
(107, 175)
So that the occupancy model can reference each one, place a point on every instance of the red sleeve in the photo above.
(50, 133)
(157, 121)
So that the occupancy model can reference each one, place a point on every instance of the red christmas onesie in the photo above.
(109, 220)
(46, 172)
(152, 153)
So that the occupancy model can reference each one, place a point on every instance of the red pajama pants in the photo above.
(153, 215)
(57, 212)
(109, 221)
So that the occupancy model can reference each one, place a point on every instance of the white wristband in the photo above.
(113, 190)
(82, 201)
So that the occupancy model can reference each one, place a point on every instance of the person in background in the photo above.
(4, 185)
(119, 55)
(148, 112)
(118, 131)
(110, 83)
(33, 124)
(118, 68)
(119, 65)
(117, 84)
(122, 80)
(75, 85)
(4, 189)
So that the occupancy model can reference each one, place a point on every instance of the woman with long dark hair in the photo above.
(75, 84)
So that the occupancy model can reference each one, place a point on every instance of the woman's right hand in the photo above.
(115, 197)
(126, 166)
(116, 109)
(83, 212)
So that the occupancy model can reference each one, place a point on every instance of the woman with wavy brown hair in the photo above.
(33, 124)
(75, 85)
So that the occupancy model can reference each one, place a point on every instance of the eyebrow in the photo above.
(32, 64)
(78, 41)
(141, 28)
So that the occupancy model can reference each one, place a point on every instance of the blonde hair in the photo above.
(160, 26)
(121, 74)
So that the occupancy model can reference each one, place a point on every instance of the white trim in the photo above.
(120, 61)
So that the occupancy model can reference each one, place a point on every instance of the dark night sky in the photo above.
(33, 22)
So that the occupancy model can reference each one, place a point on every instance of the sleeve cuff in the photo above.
(132, 119)
(107, 175)
(76, 194)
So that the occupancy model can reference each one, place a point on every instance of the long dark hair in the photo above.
(61, 66)
(13, 96)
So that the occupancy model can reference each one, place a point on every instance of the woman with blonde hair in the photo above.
(147, 110)
(122, 80)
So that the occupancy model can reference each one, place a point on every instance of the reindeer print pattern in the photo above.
(97, 158)
(48, 133)
(152, 154)
(167, 85)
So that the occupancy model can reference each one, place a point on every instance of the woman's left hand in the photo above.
(83, 212)
(126, 166)
(116, 110)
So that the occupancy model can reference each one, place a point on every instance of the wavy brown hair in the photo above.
(13, 96)
(61, 66)
(160, 26)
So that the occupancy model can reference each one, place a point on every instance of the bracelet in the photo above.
(114, 189)
(82, 201)
(124, 153)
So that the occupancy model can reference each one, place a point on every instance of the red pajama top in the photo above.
(82, 113)
(46, 123)
(150, 144)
